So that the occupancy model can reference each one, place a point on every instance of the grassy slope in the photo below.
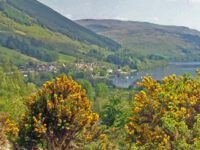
(36, 32)
(24, 26)
(173, 42)
(16, 57)
(57, 23)
(66, 58)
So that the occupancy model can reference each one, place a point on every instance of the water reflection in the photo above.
(177, 68)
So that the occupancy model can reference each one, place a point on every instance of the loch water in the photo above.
(178, 68)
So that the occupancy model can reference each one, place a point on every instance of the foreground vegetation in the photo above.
(63, 115)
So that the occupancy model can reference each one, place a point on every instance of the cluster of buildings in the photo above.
(89, 66)
(54, 67)
(42, 68)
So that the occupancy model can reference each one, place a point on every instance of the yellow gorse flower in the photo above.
(162, 109)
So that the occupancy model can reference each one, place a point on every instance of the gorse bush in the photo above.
(57, 115)
(166, 115)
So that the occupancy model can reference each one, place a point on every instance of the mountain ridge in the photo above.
(137, 22)
(149, 38)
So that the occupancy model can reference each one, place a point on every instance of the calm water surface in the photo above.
(177, 68)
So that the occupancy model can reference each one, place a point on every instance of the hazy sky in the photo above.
(167, 12)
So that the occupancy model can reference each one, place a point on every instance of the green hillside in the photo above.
(172, 42)
(15, 57)
(32, 29)
(50, 19)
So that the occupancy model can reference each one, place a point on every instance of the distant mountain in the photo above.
(172, 42)
(35, 30)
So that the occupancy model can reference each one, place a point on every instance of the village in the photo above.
(94, 68)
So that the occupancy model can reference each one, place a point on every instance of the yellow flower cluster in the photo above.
(161, 107)
(104, 140)
(39, 126)
(59, 107)
(88, 137)
(12, 130)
